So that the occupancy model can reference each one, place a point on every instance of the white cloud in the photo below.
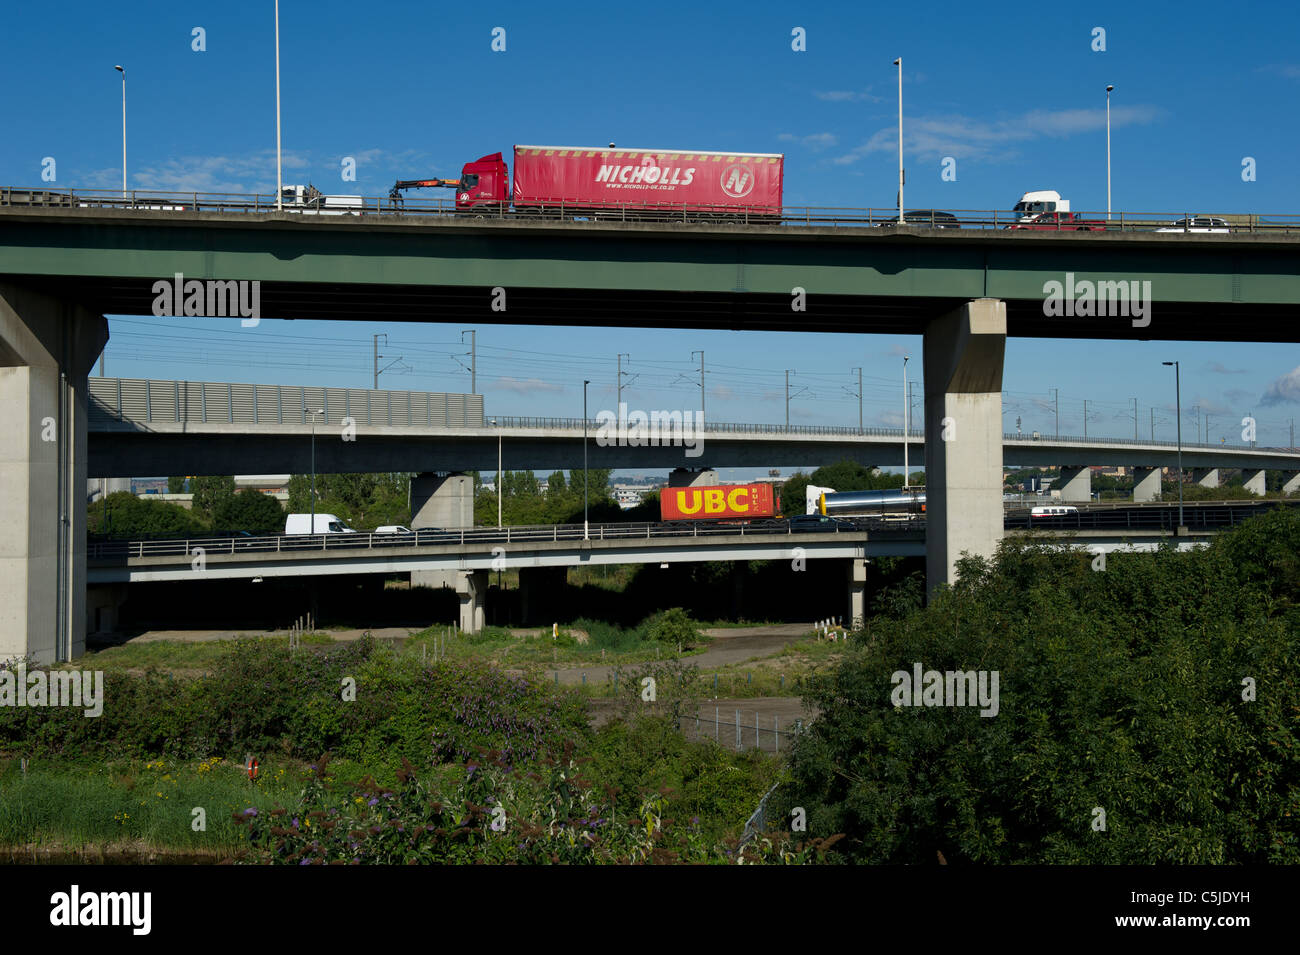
(527, 386)
(816, 141)
(1218, 368)
(848, 96)
(933, 137)
(1285, 390)
(1290, 71)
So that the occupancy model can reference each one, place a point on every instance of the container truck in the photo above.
(1045, 210)
(898, 502)
(613, 183)
(726, 502)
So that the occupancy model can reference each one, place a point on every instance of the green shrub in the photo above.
(1120, 690)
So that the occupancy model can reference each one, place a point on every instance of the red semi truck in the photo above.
(617, 183)
(727, 502)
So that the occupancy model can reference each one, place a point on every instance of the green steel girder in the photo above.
(1234, 287)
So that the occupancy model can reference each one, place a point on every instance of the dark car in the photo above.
(813, 523)
(931, 218)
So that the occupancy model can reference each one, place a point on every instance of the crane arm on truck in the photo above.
(396, 191)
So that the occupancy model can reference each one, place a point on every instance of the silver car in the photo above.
(1198, 224)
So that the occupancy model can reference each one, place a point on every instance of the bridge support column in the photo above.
(1254, 481)
(443, 501)
(857, 574)
(963, 424)
(1076, 484)
(46, 349)
(1146, 485)
(686, 477)
(104, 607)
(471, 588)
(1206, 477)
(1292, 484)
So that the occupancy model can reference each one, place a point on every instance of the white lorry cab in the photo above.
(1044, 200)
(325, 524)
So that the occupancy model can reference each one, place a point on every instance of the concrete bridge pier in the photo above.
(857, 579)
(104, 607)
(1205, 477)
(441, 501)
(46, 349)
(1292, 484)
(964, 353)
(1254, 481)
(1076, 484)
(1146, 485)
(471, 588)
(692, 477)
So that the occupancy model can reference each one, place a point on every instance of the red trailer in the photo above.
(564, 181)
(746, 501)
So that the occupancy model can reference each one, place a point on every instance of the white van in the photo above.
(1056, 510)
(325, 524)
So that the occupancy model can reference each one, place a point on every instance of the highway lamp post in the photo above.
(1085, 419)
(1135, 419)
(313, 465)
(1056, 398)
(1178, 413)
(279, 159)
(899, 63)
(905, 412)
(123, 72)
(1108, 89)
(586, 527)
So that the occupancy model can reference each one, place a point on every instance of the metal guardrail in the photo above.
(1205, 516)
(124, 400)
(467, 536)
(561, 209)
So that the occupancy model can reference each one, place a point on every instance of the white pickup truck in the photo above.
(311, 201)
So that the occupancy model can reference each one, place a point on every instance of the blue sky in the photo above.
(1015, 93)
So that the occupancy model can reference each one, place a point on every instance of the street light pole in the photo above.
(123, 72)
(586, 528)
(1056, 396)
(279, 159)
(1178, 412)
(1108, 89)
(899, 63)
